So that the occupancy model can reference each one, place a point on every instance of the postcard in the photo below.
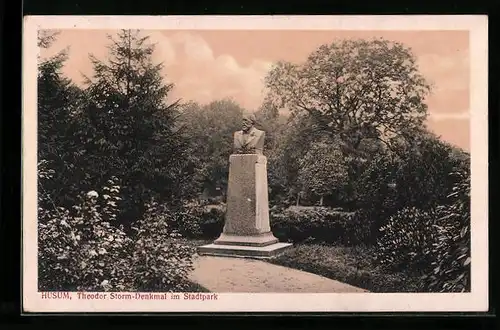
(255, 164)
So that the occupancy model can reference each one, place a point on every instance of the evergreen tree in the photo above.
(131, 131)
(58, 101)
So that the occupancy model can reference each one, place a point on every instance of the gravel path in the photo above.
(225, 274)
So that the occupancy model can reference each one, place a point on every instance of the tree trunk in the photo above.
(321, 201)
(298, 198)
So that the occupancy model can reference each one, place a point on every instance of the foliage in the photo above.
(417, 176)
(374, 188)
(212, 221)
(355, 136)
(451, 267)
(319, 224)
(424, 172)
(291, 143)
(58, 102)
(407, 240)
(275, 125)
(196, 221)
(161, 261)
(129, 129)
(210, 129)
(83, 249)
(356, 89)
(271, 121)
(46, 38)
(351, 265)
(434, 243)
(303, 158)
(322, 170)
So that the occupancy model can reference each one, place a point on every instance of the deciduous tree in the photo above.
(323, 170)
(354, 89)
(210, 129)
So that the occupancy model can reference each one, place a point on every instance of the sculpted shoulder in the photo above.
(249, 139)
(255, 132)
(259, 132)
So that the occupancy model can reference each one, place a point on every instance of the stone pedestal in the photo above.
(247, 232)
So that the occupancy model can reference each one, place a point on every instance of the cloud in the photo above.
(194, 46)
(164, 50)
(228, 64)
(188, 61)
(202, 76)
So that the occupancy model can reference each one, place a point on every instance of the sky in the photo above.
(207, 65)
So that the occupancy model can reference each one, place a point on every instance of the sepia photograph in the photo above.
(249, 164)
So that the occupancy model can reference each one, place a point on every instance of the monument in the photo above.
(247, 232)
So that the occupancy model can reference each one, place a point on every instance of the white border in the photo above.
(476, 300)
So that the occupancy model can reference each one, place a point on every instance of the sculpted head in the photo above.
(248, 121)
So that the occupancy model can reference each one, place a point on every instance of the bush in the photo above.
(412, 177)
(451, 269)
(186, 219)
(161, 261)
(82, 249)
(372, 187)
(407, 239)
(434, 243)
(319, 224)
(197, 221)
(212, 222)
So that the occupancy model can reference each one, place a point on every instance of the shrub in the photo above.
(371, 187)
(212, 222)
(434, 243)
(451, 269)
(406, 240)
(186, 219)
(82, 249)
(197, 221)
(413, 177)
(161, 261)
(374, 193)
(319, 224)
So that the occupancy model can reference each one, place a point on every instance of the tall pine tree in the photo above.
(131, 131)
(58, 102)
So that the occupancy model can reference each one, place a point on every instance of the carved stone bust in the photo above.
(249, 140)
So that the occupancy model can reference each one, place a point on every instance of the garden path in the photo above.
(227, 274)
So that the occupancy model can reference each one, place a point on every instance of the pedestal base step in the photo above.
(259, 252)
(260, 240)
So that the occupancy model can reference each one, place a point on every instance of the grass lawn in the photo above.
(351, 265)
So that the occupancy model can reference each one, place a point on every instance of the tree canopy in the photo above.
(354, 89)
(210, 129)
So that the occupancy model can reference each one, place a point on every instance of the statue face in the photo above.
(247, 124)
